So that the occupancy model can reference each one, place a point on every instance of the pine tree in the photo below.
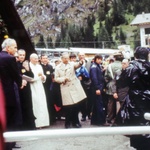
(122, 36)
(64, 27)
(103, 38)
(101, 11)
(88, 32)
(117, 14)
(41, 43)
(57, 42)
(137, 39)
(108, 25)
(75, 35)
(66, 42)
(49, 42)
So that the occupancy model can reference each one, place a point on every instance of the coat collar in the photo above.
(64, 66)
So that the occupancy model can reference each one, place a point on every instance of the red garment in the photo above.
(57, 108)
(2, 117)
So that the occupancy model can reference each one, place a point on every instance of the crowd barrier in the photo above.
(62, 133)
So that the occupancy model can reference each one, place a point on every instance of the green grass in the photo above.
(127, 29)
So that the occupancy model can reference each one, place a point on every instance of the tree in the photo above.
(66, 42)
(137, 39)
(101, 11)
(64, 27)
(122, 36)
(88, 32)
(41, 43)
(108, 25)
(117, 14)
(103, 38)
(75, 35)
(49, 42)
(57, 42)
(106, 7)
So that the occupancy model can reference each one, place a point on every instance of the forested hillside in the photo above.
(81, 23)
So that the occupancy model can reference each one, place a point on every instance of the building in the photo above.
(143, 22)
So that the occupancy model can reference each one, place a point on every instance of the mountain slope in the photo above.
(44, 17)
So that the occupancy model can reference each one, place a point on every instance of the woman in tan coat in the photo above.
(71, 90)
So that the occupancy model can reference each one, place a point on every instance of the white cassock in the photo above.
(38, 97)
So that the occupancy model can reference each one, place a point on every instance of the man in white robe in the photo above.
(38, 94)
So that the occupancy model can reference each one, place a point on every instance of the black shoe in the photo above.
(77, 125)
(16, 146)
(106, 124)
(83, 119)
(89, 117)
(67, 126)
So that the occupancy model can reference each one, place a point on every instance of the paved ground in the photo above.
(113, 142)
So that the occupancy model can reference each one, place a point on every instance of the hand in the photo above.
(81, 62)
(39, 74)
(98, 92)
(80, 78)
(26, 65)
(115, 95)
(42, 77)
(24, 83)
(66, 80)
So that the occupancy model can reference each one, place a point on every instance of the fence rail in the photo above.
(62, 133)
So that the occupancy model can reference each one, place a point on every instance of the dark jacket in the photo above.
(48, 70)
(26, 100)
(122, 85)
(98, 116)
(10, 76)
(96, 76)
(138, 75)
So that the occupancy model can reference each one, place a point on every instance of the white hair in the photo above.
(125, 60)
(7, 42)
(21, 50)
(33, 55)
(81, 53)
(65, 54)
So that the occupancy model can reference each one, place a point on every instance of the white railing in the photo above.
(55, 133)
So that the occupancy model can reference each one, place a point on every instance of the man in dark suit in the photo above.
(9, 75)
(28, 117)
(48, 71)
(97, 86)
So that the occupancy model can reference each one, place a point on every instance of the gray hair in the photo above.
(7, 42)
(33, 55)
(81, 53)
(21, 50)
(64, 54)
(125, 60)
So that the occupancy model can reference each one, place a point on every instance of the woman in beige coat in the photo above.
(71, 90)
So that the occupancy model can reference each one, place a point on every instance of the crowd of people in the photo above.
(36, 94)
